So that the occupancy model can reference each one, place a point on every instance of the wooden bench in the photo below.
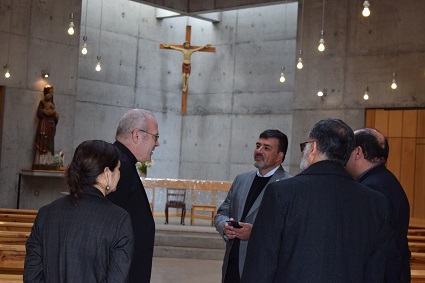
(11, 278)
(13, 237)
(25, 218)
(15, 226)
(196, 187)
(417, 223)
(12, 258)
(18, 211)
(416, 246)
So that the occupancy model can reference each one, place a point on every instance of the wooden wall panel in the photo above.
(419, 196)
(420, 132)
(395, 120)
(409, 123)
(370, 118)
(407, 168)
(394, 158)
(381, 121)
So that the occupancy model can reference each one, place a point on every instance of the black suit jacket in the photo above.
(130, 195)
(319, 226)
(91, 241)
(382, 180)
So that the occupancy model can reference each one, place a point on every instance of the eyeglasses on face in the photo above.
(303, 144)
(155, 137)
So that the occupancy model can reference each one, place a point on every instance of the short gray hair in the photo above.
(132, 119)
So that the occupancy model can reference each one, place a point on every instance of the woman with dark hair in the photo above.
(83, 237)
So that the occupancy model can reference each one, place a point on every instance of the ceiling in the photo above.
(195, 7)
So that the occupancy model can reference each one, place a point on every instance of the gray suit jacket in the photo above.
(233, 206)
(91, 241)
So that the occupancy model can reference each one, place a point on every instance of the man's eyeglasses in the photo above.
(303, 144)
(155, 137)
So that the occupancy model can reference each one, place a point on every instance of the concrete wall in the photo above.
(38, 36)
(234, 93)
(359, 52)
(231, 99)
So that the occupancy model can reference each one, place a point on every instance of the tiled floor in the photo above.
(165, 270)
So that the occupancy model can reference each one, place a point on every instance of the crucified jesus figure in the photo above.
(187, 52)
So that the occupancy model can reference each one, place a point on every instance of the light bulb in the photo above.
(300, 63)
(282, 78)
(366, 10)
(394, 84)
(7, 74)
(321, 46)
(71, 25)
(84, 50)
(98, 66)
(320, 93)
(71, 28)
(366, 94)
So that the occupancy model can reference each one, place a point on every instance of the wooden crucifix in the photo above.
(187, 51)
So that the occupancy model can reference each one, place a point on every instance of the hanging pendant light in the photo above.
(84, 49)
(98, 65)
(282, 76)
(321, 46)
(366, 10)
(394, 83)
(71, 25)
(300, 63)
(366, 93)
(7, 74)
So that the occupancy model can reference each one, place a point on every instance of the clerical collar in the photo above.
(270, 173)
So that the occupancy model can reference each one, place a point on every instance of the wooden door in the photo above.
(405, 130)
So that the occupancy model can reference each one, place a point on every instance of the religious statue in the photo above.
(46, 130)
(187, 52)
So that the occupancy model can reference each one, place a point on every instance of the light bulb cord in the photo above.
(323, 17)
(10, 31)
(85, 26)
(100, 27)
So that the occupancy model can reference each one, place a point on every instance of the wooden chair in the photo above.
(210, 208)
(176, 198)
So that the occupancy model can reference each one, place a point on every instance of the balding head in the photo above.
(373, 143)
(371, 149)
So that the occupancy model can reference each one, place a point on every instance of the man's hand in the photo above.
(242, 233)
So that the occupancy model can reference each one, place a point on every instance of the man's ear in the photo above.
(281, 155)
(359, 152)
(135, 135)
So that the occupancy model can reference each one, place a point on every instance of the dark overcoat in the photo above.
(319, 226)
(398, 262)
(130, 195)
(90, 241)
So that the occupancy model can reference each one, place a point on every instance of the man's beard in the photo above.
(304, 162)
